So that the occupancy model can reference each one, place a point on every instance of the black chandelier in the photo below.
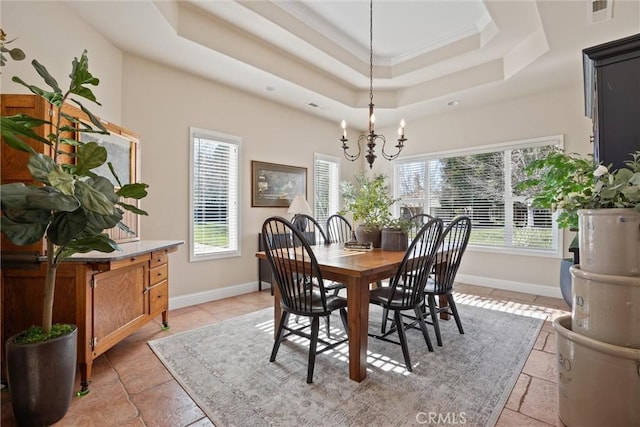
(372, 136)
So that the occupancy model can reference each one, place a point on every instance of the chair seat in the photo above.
(382, 295)
(430, 288)
(314, 306)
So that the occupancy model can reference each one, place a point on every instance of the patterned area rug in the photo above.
(225, 368)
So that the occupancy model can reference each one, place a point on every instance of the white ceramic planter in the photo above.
(606, 307)
(598, 383)
(609, 241)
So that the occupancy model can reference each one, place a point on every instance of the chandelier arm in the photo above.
(345, 148)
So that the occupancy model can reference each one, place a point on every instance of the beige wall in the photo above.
(51, 33)
(161, 103)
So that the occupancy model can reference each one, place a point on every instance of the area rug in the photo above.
(225, 369)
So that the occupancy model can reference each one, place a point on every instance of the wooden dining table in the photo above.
(357, 270)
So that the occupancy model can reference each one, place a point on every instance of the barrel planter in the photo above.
(394, 239)
(606, 307)
(598, 383)
(609, 241)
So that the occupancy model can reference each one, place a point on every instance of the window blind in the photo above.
(327, 176)
(480, 184)
(214, 213)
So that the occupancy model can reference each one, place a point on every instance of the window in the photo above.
(327, 176)
(214, 195)
(481, 184)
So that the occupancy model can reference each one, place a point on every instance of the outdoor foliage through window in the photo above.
(214, 203)
(480, 185)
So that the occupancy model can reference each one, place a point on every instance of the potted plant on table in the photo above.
(71, 209)
(369, 201)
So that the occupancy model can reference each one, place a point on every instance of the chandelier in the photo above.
(371, 138)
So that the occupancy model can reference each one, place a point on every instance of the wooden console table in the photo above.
(108, 296)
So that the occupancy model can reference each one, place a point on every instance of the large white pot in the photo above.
(609, 241)
(598, 383)
(606, 307)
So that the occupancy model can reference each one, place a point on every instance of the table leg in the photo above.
(277, 310)
(441, 271)
(358, 321)
(443, 303)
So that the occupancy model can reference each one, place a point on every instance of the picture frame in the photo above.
(274, 185)
(121, 152)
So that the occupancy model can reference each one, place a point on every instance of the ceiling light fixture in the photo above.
(371, 137)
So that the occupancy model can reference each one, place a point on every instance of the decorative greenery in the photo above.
(368, 200)
(36, 334)
(74, 205)
(15, 53)
(569, 182)
(399, 224)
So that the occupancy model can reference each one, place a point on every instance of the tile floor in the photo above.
(130, 387)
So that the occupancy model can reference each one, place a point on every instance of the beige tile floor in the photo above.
(130, 387)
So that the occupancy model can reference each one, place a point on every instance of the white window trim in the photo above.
(326, 158)
(531, 142)
(230, 139)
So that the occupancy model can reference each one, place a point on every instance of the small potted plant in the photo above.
(71, 208)
(369, 200)
(395, 234)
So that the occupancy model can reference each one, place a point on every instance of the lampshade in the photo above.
(299, 205)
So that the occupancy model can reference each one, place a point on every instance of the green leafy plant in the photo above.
(14, 53)
(570, 182)
(399, 224)
(73, 206)
(368, 199)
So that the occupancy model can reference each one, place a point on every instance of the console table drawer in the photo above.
(159, 297)
(158, 274)
(159, 258)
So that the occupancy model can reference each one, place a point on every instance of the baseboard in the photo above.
(245, 288)
(213, 295)
(509, 285)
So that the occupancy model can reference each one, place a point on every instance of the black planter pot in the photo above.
(366, 235)
(41, 378)
(565, 280)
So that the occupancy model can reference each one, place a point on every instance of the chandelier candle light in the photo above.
(371, 137)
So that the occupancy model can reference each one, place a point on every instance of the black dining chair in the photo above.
(310, 228)
(405, 290)
(338, 229)
(315, 235)
(294, 264)
(454, 241)
(417, 222)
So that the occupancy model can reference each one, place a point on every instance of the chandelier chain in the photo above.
(370, 139)
(371, 51)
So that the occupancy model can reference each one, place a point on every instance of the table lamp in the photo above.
(299, 205)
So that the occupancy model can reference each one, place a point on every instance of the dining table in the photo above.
(357, 270)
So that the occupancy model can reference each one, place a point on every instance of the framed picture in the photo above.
(121, 152)
(274, 185)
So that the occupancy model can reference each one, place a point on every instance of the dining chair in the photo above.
(454, 241)
(338, 229)
(417, 222)
(310, 228)
(294, 264)
(405, 290)
(315, 235)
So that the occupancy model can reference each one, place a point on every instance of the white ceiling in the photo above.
(426, 53)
